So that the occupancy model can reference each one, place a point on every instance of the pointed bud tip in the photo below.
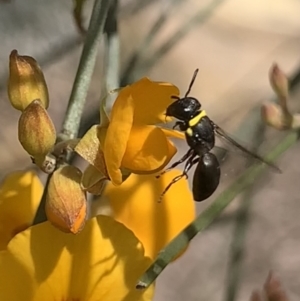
(272, 282)
(13, 54)
(274, 289)
(279, 81)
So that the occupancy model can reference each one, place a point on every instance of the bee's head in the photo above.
(184, 108)
(187, 107)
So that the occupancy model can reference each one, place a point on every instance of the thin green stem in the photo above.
(237, 251)
(112, 55)
(239, 237)
(199, 18)
(181, 241)
(85, 70)
(134, 60)
(236, 257)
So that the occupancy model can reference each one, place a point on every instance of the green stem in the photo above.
(180, 242)
(167, 9)
(237, 251)
(85, 70)
(112, 55)
(236, 256)
(199, 18)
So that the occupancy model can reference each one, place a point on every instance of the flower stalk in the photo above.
(85, 70)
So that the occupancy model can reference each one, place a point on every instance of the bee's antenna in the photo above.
(192, 82)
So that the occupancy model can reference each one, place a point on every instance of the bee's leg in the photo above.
(191, 161)
(181, 125)
(189, 164)
(189, 153)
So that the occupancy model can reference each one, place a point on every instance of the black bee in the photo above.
(200, 132)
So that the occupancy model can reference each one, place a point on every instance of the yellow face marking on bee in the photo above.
(197, 118)
(189, 132)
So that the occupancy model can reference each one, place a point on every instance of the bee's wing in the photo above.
(221, 133)
(220, 152)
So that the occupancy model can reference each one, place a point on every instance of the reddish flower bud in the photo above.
(279, 82)
(273, 115)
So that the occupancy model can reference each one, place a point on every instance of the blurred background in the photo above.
(234, 44)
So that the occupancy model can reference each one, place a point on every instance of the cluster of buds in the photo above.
(28, 93)
(278, 115)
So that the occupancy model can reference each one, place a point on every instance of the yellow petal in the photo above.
(147, 149)
(151, 100)
(135, 204)
(117, 134)
(172, 150)
(20, 195)
(103, 262)
(16, 274)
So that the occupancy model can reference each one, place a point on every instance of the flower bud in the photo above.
(65, 201)
(274, 289)
(273, 115)
(256, 296)
(36, 130)
(26, 82)
(279, 82)
(296, 122)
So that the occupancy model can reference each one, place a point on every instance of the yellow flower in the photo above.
(20, 195)
(135, 204)
(129, 141)
(103, 262)
(47, 264)
(133, 141)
